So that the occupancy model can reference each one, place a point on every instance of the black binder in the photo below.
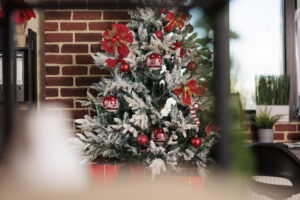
(23, 72)
(20, 78)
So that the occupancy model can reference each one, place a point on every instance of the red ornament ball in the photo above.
(159, 34)
(159, 136)
(192, 66)
(142, 140)
(111, 103)
(163, 11)
(125, 67)
(196, 142)
(154, 61)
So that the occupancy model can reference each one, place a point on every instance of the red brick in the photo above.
(56, 103)
(59, 81)
(293, 136)
(51, 48)
(77, 114)
(58, 37)
(87, 37)
(97, 71)
(279, 136)
(51, 26)
(52, 70)
(74, 48)
(57, 15)
(95, 48)
(73, 92)
(73, 26)
(116, 15)
(100, 25)
(74, 70)
(51, 92)
(86, 81)
(86, 15)
(84, 59)
(58, 59)
(285, 127)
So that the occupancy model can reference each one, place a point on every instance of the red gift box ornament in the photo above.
(187, 91)
(175, 21)
(111, 103)
(117, 39)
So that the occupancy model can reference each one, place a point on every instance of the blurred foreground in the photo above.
(41, 164)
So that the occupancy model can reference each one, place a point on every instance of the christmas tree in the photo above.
(155, 109)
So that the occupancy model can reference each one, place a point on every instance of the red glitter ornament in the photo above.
(125, 67)
(154, 61)
(159, 34)
(196, 142)
(192, 66)
(159, 136)
(142, 139)
(111, 103)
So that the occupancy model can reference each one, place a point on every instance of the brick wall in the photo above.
(70, 37)
(284, 132)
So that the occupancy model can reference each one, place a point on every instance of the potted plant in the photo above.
(264, 122)
(272, 93)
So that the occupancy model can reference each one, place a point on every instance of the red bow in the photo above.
(188, 90)
(178, 45)
(117, 39)
(175, 21)
(20, 15)
(113, 62)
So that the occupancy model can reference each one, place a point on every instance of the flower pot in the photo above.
(265, 135)
(283, 110)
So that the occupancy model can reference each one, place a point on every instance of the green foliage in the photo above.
(272, 90)
(265, 121)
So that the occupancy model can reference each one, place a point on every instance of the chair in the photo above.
(275, 160)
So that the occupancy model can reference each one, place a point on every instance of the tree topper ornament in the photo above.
(187, 91)
(117, 39)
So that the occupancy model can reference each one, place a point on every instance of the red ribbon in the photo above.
(175, 21)
(188, 90)
(111, 63)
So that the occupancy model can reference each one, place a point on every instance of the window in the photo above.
(259, 48)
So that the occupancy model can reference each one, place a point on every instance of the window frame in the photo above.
(289, 10)
(290, 7)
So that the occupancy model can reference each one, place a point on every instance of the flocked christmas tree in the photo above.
(155, 108)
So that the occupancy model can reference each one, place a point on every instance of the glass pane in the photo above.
(259, 49)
